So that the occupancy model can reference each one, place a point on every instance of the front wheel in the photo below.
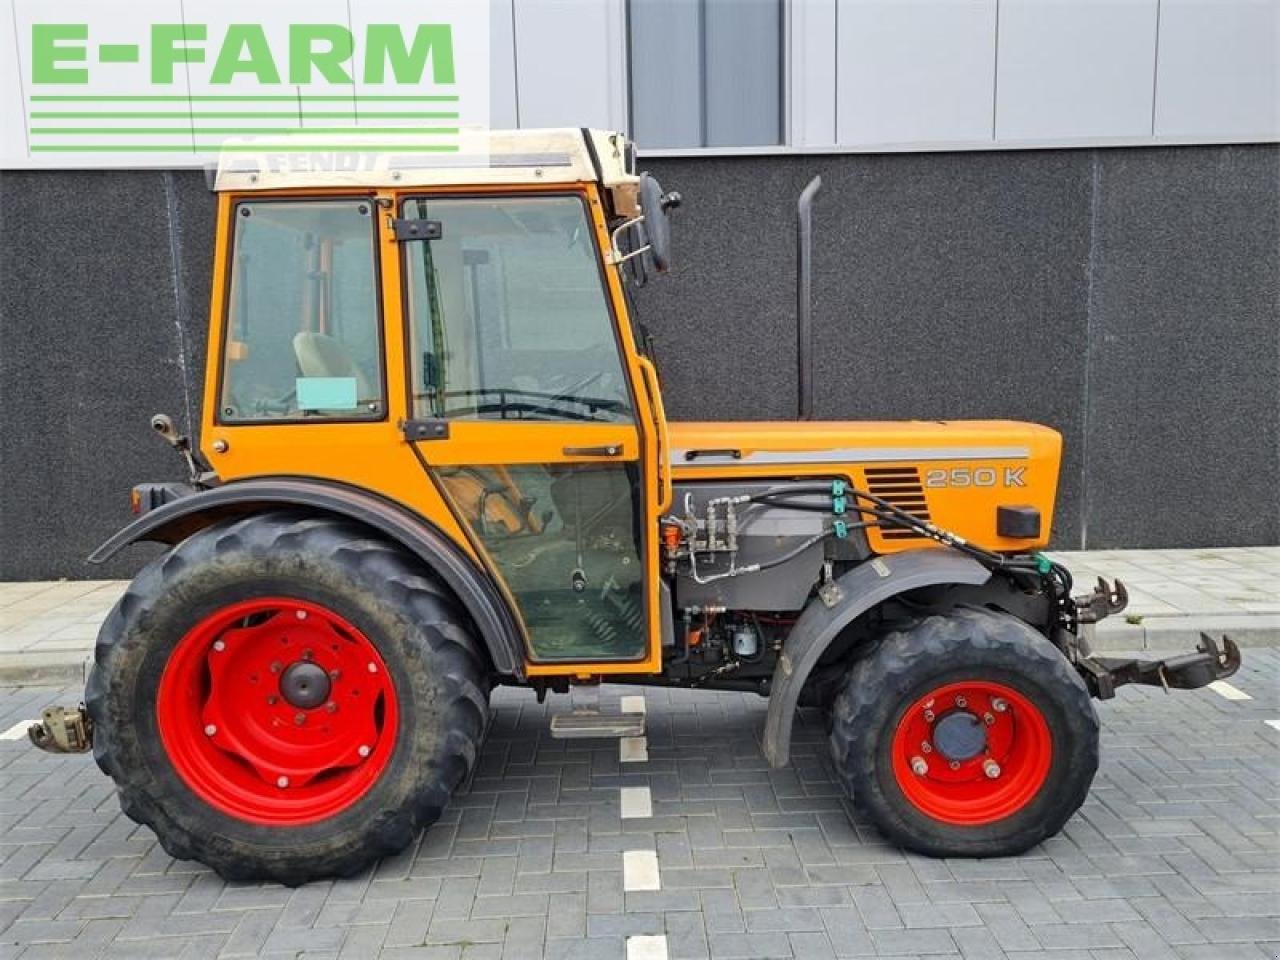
(284, 698)
(966, 734)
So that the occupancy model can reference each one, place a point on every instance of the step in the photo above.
(584, 724)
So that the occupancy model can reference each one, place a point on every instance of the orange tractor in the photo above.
(433, 458)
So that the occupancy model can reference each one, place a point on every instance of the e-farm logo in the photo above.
(203, 88)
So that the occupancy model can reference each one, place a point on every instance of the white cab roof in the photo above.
(567, 155)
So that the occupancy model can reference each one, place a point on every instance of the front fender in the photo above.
(178, 519)
(860, 589)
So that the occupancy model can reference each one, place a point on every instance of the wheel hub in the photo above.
(277, 711)
(971, 752)
(305, 684)
(959, 736)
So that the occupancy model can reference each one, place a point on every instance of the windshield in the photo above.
(509, 317)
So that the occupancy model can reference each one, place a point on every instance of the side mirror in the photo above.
(648, 236)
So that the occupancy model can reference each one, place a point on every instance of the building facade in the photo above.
(1060, 212)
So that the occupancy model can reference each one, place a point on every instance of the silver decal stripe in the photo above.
(854, 455)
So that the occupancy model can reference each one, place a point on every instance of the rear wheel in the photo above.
(284, 698)
(966, 734)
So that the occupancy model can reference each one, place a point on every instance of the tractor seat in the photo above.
(320, 355)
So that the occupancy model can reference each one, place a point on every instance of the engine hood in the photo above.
(955, 473)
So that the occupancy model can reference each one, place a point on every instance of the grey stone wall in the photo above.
(1128, 297)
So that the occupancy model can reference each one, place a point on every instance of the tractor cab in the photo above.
(465, 321)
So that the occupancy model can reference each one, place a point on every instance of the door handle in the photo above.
(607, 450)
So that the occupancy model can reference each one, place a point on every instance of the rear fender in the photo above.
(859, 590)
(179, 519)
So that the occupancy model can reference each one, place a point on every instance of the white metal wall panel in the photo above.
(571, 63)
(13, 107)
(813, 73)
(913, 71)
(56, 130)
(1073, 69)
(1218, 72)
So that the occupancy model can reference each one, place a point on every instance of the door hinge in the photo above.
(406, 230)
(415, 430)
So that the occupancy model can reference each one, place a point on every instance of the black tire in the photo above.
(963, 644)
(426, 641)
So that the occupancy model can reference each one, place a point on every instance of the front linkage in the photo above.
(1103, 674)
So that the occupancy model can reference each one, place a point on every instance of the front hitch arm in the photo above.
(1186, 672)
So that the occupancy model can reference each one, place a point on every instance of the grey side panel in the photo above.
(860, 590)
(179, 519)
(743, 47)
(666, 72)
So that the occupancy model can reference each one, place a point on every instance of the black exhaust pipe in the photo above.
(804, 305)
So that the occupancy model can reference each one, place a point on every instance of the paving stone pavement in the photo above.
(1175, 855)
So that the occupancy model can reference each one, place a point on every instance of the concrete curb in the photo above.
(59, 668)
(1182, 633)
(1178, 634)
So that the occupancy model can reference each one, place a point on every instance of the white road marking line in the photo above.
(1274, 724)
(633, 704)
(647, 948)
(17, 732)
(633, 749)
(1224, 689)
(636, 803)
(640, 870)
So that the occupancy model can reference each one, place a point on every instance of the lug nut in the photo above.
(991, 769)
(999, 705)
(282, 782)
(302, 614)
(961, 702)
(210, 730)
(330, 707)
(954, 764)
(219, 646)
(373, 667)
(928, 716)
(276, 666)
(334, 674)
(988, 719)
(926, 747)
(299, 718)
(272, 700)
(364, 750)
(919, 767)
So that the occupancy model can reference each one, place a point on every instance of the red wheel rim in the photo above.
(277, 711)
(971, 752)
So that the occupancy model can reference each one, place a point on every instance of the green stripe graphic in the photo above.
(240, 115)
(228, 98)
(272, 131)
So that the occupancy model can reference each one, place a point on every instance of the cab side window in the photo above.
(302, 324)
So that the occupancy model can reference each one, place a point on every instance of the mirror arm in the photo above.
(616, 257)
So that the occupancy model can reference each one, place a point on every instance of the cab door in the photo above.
(530, 413)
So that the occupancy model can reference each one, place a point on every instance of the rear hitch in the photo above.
(1187, 672)
(62, 731)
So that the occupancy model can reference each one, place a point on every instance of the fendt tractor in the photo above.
(433, 459)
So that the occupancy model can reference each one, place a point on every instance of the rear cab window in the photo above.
(302, 337)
